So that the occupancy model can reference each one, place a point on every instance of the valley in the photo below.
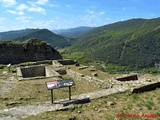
(116, 69)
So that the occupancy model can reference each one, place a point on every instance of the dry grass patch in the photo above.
(88, 72)
(30, 91)
(108, 108)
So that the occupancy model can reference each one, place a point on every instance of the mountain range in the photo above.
(46, 35)
(72, 32)
(135, 42)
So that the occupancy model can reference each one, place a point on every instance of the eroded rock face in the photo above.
(30, 50)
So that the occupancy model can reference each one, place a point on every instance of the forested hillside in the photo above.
(8, 35)
(54, 40)
(134, 42)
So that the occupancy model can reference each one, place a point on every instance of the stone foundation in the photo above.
(128, 78)
(145, 88)
(35, 72)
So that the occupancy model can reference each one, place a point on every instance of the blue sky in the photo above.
(63, 14)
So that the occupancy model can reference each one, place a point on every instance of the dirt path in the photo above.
(37, 108)
(7, 82)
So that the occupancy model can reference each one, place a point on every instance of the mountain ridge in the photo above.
(72, 32)
(42, 34)
(121, 42)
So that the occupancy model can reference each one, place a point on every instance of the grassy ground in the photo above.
(30, 91)
(142, 106)
(135, 106)
(89, 72)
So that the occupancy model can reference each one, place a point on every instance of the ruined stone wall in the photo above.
(67, 62)
(50, 72)
(91, 80)
(33, 71)
(36, 71)
(32, 50)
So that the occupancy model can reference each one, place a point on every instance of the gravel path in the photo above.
(7, 82)
(37, 108)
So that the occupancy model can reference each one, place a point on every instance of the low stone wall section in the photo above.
(67, 62)
(148, 87)
(44, 62)
(55, 63)
(35, 72)
(128, 78)
(31, 71)
(50, 72)
(92, 80)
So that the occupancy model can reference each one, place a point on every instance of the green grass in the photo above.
(73, 55)
(32, 91)
(99, 110)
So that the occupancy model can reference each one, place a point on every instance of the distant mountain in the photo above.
(134, 42)
(54, 40)
(72, 32)
(15, 33)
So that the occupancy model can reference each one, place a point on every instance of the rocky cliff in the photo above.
(30, 50)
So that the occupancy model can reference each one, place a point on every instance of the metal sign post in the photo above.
(69, 92)
(60, 84)
(51, 95)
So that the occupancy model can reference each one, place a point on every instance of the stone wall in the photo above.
(31, 71)
(67, 62)
(50, 72)
(89, 80)
(32, 50)
(128, 78)
(149, 87)
(36, 71)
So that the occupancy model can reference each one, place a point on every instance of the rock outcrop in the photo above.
(30, 50)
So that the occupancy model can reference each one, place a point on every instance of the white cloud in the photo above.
(93, 17)
(90, 11)
(22, 7)
(41, 2)
(38, 2)
(15, 12)
(54, 23)
(8, 3)
(24, 19)
(95, 13)
(89, 20)
(32, 8)
(101, 13)
(37, 9)
(54, 5)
